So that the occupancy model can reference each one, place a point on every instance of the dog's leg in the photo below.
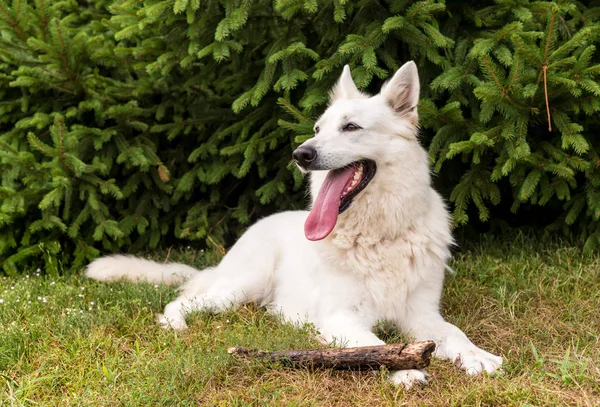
(215, 291)
(243, 276)
(197, 294)
(423, 321)
(175, 312)
(345, 330)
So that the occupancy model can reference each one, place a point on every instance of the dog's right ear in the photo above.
(345, 88)
(401, 92)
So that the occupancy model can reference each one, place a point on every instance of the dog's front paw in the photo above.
(408, 378)
(476, 361)
(177, 324)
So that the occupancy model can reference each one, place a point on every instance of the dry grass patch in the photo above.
(71, 342)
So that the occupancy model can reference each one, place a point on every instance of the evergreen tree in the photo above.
(127, 124)
(518, 107)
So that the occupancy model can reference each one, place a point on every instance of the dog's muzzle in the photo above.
(304, 156)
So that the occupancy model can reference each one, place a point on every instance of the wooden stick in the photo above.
(545, 68)
(394, 356)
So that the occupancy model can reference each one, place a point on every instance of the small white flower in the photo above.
(52, 283)
(91, 302)
(155, 285)
(39, 298)
(38, 270)
(1, 300)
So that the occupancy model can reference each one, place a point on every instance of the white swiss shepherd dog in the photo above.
(373, 247)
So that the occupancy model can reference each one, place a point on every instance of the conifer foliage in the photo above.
(519, 105)
(126, 124)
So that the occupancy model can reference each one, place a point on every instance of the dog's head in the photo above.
(356, 137)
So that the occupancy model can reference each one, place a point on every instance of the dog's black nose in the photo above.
(304, 155)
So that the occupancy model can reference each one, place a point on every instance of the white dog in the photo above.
(374, 246)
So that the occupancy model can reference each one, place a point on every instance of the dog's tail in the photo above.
(116, 268)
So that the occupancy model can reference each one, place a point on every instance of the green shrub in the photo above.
(515, 113)
(128, 124)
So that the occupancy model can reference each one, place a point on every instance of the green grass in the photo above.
(67, 341)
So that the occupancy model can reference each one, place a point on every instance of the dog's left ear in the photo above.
(402, 91)
(345, 88)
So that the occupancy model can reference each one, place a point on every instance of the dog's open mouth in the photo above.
(335, 196)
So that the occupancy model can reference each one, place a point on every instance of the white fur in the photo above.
(111, 269)
(384, 260)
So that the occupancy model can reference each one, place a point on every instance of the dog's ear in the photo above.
(345, 88)
(402, 91)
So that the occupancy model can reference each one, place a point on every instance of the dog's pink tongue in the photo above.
(324, 213)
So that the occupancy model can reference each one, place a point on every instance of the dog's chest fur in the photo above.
(391, 250)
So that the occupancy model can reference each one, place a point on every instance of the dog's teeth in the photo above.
(355, 180)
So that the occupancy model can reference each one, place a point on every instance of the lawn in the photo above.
(67, 341)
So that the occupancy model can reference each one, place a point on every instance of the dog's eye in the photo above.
(351, 127)
(317, 128)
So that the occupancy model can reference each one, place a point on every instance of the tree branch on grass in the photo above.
(398, 356)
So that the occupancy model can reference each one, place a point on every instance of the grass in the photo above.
(67, 341)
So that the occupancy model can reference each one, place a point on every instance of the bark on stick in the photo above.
(394, 356)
